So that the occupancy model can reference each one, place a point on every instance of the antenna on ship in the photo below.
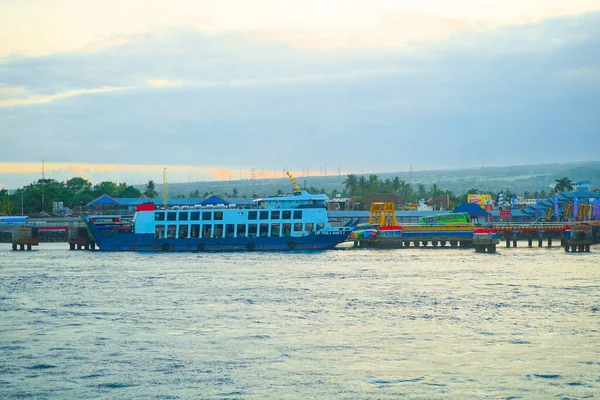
(165, 187)
(296, 187)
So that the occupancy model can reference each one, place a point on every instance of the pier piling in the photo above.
(25, 237)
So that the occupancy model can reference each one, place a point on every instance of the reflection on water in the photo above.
(418, 323)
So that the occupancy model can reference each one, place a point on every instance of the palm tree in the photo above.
(6, 206)
(406, 192)
(436, 191)
(421, 191)
(151, 190)
(351, 183)
(563, 185)
(373, 183)
(362, 185)
(396, 184)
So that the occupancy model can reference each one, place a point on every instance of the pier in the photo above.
(79, 238)
(578, 238)
(25, 237)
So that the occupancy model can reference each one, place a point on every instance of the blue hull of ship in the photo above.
(128, 241)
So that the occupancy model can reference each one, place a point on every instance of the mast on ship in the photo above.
(165, 187)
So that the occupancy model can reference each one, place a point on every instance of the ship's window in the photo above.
(219, 215)
(159, 231)
(298, 227)
(206, 216)
(264, 230)
(159, 216)
(264, 215)
(218, 231)
(275, 230)
(320, 226)
(229, 230)
(183, 216)
(195, 216)
(241, 230)
(287, 214)
(183, 231)
(252, 230)
(195, 231)
(252, 214)
(298, 214)
(287, 229)
(275, 214)
(171, 216)
(171, 230)
(309, 227)
(206, 231)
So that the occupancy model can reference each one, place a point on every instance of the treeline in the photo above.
(74, 194)
(355, 185)
(77, 192)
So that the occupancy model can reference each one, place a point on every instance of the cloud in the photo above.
(40, 99)
(16, 174)
(73, 26)
(163, 82)
(503, 96)
(11, 91)
(587, 74)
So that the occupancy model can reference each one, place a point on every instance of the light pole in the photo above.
(22, 193)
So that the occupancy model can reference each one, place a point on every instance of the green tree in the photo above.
(6, 205)
(151, 190)
(106, 187)
(234, 193)
(78, 185)
(351, 184)
(406, 192)
(362, 185)
(129, 192)
(563, 185)
(436, 191)
(396, 185)
(373, 184)
(386, 186)
(421, 191)
(78, 192)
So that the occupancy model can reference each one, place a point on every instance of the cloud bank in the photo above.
(515, 94)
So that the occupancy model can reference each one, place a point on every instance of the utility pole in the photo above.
(43, 182)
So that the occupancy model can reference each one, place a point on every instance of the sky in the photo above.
(118, 91)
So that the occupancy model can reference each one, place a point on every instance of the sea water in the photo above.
(337, 324)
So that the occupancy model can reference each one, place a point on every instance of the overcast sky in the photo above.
(118, 90)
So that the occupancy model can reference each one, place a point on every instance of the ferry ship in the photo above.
(298, 221)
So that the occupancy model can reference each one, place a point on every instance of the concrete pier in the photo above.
(79, 238)
(578, 239)
(25, 237)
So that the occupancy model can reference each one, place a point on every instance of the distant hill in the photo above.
(517, 178)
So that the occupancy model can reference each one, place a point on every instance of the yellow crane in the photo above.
(383, 213)
(296, 187)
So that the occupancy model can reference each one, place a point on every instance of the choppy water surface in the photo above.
(418, 323)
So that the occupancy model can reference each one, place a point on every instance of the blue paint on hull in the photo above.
(114, 240)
